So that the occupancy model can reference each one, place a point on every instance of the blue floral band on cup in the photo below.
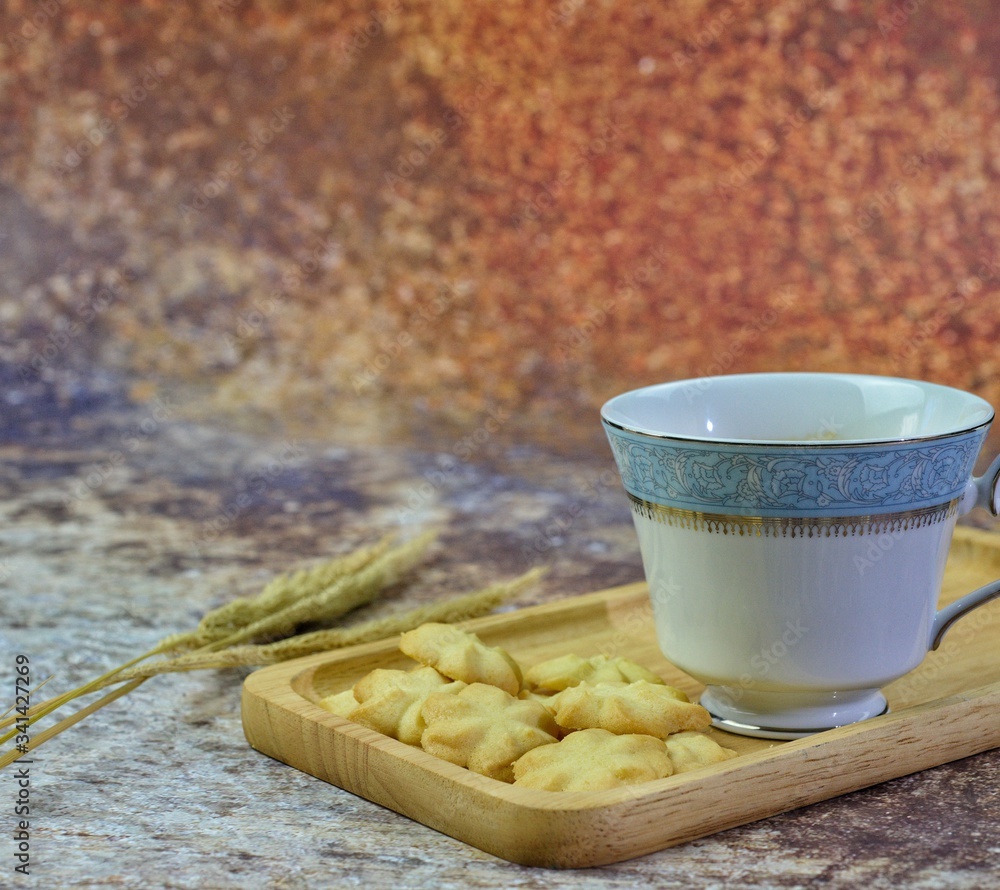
(794, 480)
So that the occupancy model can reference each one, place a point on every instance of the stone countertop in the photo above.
(121, 525)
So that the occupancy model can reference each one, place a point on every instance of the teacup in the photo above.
(793, 530)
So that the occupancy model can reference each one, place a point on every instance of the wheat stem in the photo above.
(342, 596)
(47, 707)
(278, 594)
(322, 593)
(54, 730)
(452, 610)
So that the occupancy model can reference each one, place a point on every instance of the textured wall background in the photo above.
(390, 219)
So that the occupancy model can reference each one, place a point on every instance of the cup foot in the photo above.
(788, 715)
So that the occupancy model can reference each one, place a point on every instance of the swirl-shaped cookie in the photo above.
(485, 729)
(461, 655)
(640, 707)
(390, 701)
(593, 760)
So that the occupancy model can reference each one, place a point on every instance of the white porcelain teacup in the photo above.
(794, 529)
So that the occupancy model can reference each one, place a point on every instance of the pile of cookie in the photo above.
(567, 724)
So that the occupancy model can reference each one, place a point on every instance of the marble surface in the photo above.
(101, 557)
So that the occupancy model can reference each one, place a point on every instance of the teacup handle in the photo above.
(983, 491)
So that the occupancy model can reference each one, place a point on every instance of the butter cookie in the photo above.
(389, 701)
(640, 707)
(485, 729)
(593, 760)
(461, 655)
(565, 671)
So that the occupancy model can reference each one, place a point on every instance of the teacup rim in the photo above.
(800, 443)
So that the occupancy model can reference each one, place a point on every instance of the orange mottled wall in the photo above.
(411, 211)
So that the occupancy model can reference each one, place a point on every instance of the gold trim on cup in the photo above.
(794, 526)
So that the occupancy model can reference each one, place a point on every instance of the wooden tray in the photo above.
(944, 710)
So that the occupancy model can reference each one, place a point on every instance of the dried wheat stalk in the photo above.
(277, 595)
(452, 610)
(319, 594)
